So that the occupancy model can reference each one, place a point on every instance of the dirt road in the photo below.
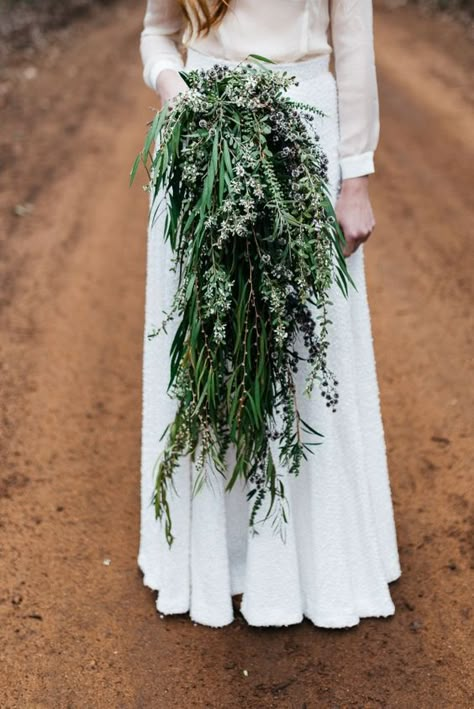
(80, 632)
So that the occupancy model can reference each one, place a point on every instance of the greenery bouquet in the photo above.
(256, 247)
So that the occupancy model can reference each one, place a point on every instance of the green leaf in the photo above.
(190, 286)
(260, 58)
(158, 121)
(184, 77)
(227, 159)
(134, 169)
(221, 179)
(215, 153)
(310, 429)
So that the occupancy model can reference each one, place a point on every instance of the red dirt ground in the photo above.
(76, 633)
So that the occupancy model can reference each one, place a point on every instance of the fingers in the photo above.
(353, 243)
(355, 216)
(348, 248)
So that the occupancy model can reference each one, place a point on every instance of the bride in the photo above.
(340, 551)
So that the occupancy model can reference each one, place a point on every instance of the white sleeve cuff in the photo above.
(153, 68)
(357, 165)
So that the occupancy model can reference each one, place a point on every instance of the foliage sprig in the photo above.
(256, 246)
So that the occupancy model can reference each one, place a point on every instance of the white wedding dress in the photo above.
(340, 550)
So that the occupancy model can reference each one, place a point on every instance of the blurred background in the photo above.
(77, 627)
(23, 21)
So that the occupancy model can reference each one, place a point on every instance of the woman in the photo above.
(340, 550)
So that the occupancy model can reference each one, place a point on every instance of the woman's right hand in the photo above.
(169, 85)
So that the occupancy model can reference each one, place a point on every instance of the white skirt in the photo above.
(339, 552)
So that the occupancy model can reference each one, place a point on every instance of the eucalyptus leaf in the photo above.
(256, 248)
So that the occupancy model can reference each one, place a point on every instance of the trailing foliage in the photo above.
(256, 247)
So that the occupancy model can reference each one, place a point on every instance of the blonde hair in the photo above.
(201, 15)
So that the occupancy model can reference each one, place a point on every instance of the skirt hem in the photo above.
(259, 619)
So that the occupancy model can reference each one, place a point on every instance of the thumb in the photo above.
(349, 247)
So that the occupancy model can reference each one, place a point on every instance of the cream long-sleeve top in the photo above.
(285, 31)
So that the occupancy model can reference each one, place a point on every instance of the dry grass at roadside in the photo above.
(462, 10)
(23, 22)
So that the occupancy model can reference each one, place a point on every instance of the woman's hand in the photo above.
(354, 212)
(169, 85)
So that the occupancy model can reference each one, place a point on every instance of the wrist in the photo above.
(355, 185)
(169, 84)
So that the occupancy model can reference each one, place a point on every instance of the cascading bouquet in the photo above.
(256, 246)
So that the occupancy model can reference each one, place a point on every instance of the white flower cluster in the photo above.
(217, 300)
(254, 242)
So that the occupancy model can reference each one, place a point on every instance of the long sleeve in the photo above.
(352, 41)
(160, 39)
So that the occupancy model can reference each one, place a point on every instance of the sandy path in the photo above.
(78, 633)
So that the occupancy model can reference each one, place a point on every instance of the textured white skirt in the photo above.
(339, 552)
